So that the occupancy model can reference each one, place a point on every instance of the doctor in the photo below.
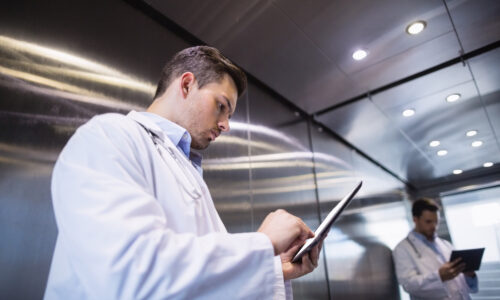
(421, 260)
(136, 219)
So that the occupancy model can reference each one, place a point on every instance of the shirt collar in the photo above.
(179, 136)
(423, 238)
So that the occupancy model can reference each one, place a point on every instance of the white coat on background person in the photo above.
(421, 260)
(417, 271)
(136, 221)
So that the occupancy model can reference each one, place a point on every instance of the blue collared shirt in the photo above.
(472, 282)
(179, 136)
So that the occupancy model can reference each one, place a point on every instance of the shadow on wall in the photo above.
(360, 266)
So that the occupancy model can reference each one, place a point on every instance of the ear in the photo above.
(187, 83)
(415, 219)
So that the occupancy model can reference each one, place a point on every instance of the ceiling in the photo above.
(303, 51)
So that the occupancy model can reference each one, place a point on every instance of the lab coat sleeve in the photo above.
(117, 240)
(419, 285)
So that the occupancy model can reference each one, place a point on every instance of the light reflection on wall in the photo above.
(65, 72)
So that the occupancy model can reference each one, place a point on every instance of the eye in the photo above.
(221, 107)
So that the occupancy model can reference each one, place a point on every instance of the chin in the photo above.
(199, 146)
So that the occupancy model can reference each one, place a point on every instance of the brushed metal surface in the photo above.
(282, 177)
(486, 70)
(358, 247)
(476, 21)
(370, 130)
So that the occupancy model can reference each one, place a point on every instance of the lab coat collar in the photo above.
(423, 249)
(146, 122)
(195, 157)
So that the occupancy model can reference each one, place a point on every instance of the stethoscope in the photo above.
(192, 189)
(414, 247)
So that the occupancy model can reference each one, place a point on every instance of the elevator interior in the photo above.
(313, 121)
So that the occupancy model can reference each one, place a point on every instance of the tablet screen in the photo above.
(324, 227)
(471, 258)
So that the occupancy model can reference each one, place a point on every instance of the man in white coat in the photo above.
(421, 260)
(136, 219)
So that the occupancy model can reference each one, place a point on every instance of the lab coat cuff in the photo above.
(436, 276)
(288, 290)
(281, 291)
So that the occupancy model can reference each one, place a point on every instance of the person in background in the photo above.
(421, 260)
(135, 218)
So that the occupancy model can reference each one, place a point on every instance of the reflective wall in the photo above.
(64, 62)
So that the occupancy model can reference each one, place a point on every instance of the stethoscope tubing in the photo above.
(160, 145)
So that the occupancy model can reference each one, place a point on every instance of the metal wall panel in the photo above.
(282, 174)
(358, 247)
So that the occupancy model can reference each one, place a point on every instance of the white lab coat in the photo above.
(129, 230)
(417, 271)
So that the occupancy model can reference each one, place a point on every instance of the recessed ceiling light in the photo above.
(408, 112)
(416, 27)
(487, 164)
(442, 152)
(457, 171)
(471, 133)
(434, 143)
(453, 97)
(477, 144)
(359, 54)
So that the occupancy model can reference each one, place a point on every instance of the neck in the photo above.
(430, 239)
(162, 110)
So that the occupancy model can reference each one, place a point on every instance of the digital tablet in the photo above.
(324, 227)
(471, 257)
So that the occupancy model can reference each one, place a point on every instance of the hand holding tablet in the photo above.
(470, 257)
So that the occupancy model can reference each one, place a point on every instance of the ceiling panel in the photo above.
(410, 62)
(436, 119)
(362, 124)
(284, 58)
(343, 26)
(430, 84)
(477, 22)
(303, 52)
(486, 70)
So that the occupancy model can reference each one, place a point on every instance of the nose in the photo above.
(224, 125)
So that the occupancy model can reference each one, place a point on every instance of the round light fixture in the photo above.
(359, 54)
(442, 152)
(453, 97)
(408, 112)
(477, 144)
(471, 133)
(457, 171)
(434, 143)
(416, 27)
(487, 164)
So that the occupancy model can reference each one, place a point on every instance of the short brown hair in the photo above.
(206, 63)
(423, 204)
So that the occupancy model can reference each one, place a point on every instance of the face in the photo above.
(208, 110)
(427, 223)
